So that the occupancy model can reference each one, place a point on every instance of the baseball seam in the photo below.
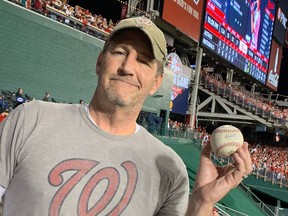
(227, 145)
(226, 131)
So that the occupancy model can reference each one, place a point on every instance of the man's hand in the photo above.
(213, 182)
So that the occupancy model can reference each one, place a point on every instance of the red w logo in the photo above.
(81, 168)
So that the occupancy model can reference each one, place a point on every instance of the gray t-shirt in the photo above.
(55, 161)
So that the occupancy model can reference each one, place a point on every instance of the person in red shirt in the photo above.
(3, 115)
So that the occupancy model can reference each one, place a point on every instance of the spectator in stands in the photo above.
(19, 97)
(69, 12)
(19, 93)
(23, 3)
(255, 11)
(45, 11)
(3, 104)
(46, 96)
(60, 153)
(110, 26)
(153, 121)
(38, 5)
(3, 115)
(78, 12)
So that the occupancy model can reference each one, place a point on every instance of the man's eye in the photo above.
(119, 52)
(144, 61)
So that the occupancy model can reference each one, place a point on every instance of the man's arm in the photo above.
(213, 183)
(10, 136)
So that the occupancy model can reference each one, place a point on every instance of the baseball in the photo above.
(225, 140)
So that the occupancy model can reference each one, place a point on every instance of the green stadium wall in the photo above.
(266, 187)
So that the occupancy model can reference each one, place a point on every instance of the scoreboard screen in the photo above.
(240, 31)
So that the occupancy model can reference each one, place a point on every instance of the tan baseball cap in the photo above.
(155, 35)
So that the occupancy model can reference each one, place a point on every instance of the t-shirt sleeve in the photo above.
(11, 132)
(175, 186)
(177, 202)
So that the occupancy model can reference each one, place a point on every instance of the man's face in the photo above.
(127, 69)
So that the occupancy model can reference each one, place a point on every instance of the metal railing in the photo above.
(251, 102)
(226, 211)
(266, 209)
(274, 177)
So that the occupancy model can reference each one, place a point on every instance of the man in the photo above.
(46, 97)
(63, 159)
(153, 122)
(255, 9)
(19, 97)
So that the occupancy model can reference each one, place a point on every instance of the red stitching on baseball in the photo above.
(225, 131)
(236, 144)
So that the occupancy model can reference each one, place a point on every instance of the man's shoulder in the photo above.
(39, 104)
(156, 143)
(48, 108)
(149, 136)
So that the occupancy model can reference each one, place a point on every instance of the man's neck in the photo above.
(117, 122)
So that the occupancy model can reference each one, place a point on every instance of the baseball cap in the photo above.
(154, 34)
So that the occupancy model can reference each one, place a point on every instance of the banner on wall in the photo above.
(185, 16)
(180, 88)
(274, 66)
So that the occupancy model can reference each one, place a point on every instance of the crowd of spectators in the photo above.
(77, 17)
(249, 100)
(9, 100)
(270, 162)
(177, 129)
(180, 129)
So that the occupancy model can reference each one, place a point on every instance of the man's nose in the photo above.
(129, 64)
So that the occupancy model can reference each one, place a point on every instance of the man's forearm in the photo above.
(197, 208)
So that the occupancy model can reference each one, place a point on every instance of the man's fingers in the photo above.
(242, 161)
(206, 150)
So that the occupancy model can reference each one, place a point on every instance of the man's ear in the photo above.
(157, 84)
(99, 61)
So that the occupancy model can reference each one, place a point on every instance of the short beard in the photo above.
(115, 99)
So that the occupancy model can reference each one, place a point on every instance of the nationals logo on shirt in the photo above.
(77, 169)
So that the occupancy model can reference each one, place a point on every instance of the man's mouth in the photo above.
(127, 81)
